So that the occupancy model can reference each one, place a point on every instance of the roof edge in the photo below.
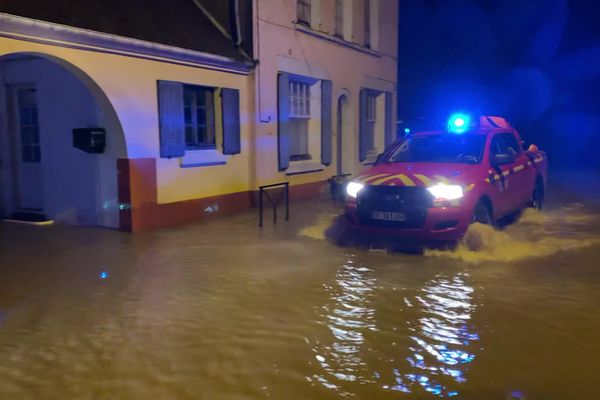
(23, 28)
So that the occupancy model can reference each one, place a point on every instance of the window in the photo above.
(371, 108)
(28, 126)
(367, 22)
(371, 119)
(512, 144)
(299, 99)
(465, 149)
(505, 143)
(304, 123)
(303, 11)
(339, 18)
(299, 118)
(375, 123)
(189, 118)
(199, 116)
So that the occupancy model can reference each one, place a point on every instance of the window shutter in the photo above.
(170, 119)
(230, 106)
(390, 132)
(326, 122)
(362, 133)
(283, 112)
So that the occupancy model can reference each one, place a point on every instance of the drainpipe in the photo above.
(234, 22)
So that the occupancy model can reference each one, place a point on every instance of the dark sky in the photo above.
(536, 62)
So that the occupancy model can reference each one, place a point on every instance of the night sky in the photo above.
(537, 62)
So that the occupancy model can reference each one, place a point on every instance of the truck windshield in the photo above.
(445, 148)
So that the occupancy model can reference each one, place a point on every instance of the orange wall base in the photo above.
(138, 193)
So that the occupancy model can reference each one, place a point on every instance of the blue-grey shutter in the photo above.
(362, 132)
(390, 131)
(326, 97)
(170, 119)
(283, 112)
(230, 107)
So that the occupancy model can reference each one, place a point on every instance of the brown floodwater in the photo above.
(223, 310)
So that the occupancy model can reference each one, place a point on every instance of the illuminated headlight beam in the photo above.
(446, 192)
(352, 188)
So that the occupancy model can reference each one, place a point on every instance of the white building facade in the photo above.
(98, 128)
(325, 87)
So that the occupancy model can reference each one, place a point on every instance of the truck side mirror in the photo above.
(502, 159)
(379, 159)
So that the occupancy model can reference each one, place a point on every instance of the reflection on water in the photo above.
(437, 321)
(348, 316)
(441, 337)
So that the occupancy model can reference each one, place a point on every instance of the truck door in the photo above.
(522, 177)
(502, 163)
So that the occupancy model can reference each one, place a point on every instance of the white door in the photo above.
(28, 157)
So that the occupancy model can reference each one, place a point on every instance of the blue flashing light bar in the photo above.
(459, 123)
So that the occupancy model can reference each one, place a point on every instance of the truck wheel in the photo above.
(537, 197)
(482, 213)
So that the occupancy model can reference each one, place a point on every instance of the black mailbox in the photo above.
(90, 140)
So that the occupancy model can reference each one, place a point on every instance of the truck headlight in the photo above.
(446, 192)
(352, 188)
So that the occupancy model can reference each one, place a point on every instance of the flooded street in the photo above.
(223, 310)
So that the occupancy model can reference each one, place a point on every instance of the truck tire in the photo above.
(537, 196)
(482, 213)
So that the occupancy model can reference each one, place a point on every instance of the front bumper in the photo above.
(440, 224)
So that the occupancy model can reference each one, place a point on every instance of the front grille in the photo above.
(412, 201)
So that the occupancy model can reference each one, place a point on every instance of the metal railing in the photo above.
(285, 192)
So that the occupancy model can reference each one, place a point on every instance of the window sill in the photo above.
(338, 40)
(202, 158)
(303, 167)
(303, 157)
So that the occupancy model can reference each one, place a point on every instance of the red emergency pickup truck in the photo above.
(432, 185)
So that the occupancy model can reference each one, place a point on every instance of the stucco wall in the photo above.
(129, 84)
(282, 46)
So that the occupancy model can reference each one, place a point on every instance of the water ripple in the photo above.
(349, 315)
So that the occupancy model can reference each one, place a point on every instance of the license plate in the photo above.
(388, 216)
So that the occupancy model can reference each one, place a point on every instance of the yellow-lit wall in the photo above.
(130, 83)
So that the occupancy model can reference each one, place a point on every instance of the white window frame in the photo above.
(29, 145)
(371, 108)
(299, 99)
(208, 156)
(348, 18)
(304, 12)
(367, 23)
(338, 29)
(300, 115)
(374, 24)
(371, 119)
(193, 124)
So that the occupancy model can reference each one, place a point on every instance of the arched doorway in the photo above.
(344, 137)
(52, 162)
